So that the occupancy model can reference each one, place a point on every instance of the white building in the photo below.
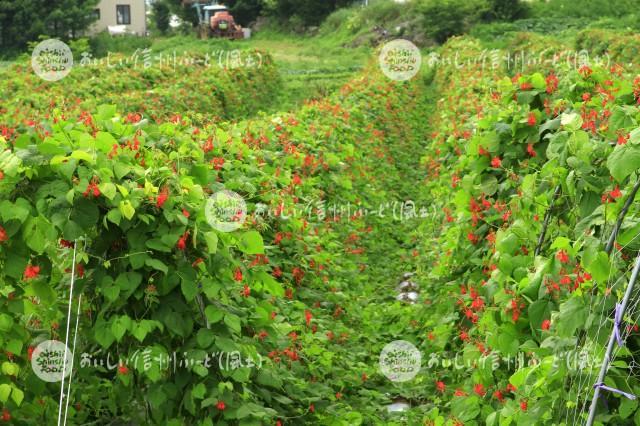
(121, 16)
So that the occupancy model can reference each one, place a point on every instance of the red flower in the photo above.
(296, 180)
(277, 272)
(459, 392)
(66, 244)
(312, 408)
(498, 395)
(510, 388)
(221, 405)
(122, 369)
(523, 406)
(440, 386)
(546, 324)
(615, 193)
(31, 272)
(92, 188)
(472, 238)
(479, 389)
(237, 274)
(531, 119)
(552, 83)
(182, 242)
(3, 235)
(218, 163)
(185, 213)
(246, 291)
(307, 317)
(623, 139)
(30, 352)
(162, 198)
(531, 151)
(586, 97)
(496, 162)
(562, 256)
(338, 395)
(6, 415)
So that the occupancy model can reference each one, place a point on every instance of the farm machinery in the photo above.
(215, 20)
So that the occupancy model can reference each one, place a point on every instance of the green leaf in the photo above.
(538, 312)
(142, 328)
(233, 321)
(538, 81)
(270, 285)
(17, 395)
(189, 289)
(212, 241)
(156, 264)
(199, 391)
(119, 326)
(105, 141)
(627, 407)
(37, 232)
(251, 243)
(5, 390)
(6, 322)
(600, 267)
(571, 121)
(82, 155)
(103, 334)
(108, 190)
(126, 208)
(573, 314)
(624, 160)
(213, 314)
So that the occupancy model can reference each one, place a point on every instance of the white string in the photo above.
(66, 338)
(73, 351)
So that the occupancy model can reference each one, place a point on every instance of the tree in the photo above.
(245, 11)
(161, 15)
(506, 10)
(445, 18)
(308, 12)
(22, 21)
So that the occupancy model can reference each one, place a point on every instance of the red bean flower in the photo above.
(31, 272)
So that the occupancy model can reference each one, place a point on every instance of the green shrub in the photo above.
(104, 43)
(443, 19)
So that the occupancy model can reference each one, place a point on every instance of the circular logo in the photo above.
(400, 60)
(400, 361)
(52, 60)
(226, 211)
(48, 360)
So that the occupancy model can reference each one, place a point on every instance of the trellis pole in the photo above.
(615, 336)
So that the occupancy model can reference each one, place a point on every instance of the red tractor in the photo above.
(216, 21)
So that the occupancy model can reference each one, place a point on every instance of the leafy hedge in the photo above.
(503, 147)
(201, 86)
(156, 277)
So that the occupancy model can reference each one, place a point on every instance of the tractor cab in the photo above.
(215, 20)
(211, 11)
